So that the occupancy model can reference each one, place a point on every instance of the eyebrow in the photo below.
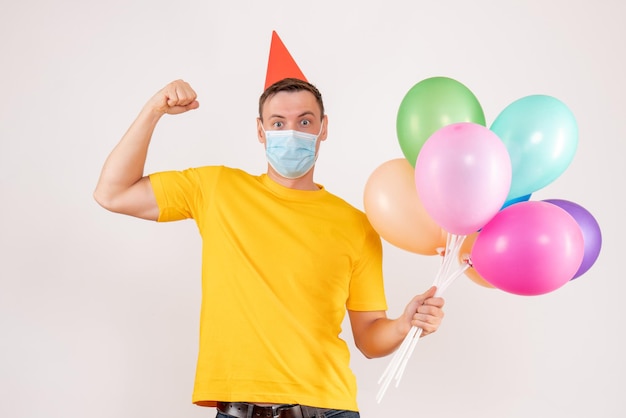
(306, 113)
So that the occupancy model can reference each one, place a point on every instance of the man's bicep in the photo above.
(139, 201)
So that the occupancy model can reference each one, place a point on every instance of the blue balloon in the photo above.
(541, 136)
(515, 200)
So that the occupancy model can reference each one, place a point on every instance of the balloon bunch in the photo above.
(463, 191)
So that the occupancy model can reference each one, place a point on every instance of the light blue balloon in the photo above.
(541, 136)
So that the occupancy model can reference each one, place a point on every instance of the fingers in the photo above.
(428, 318)
(429, 298)
(429, 313)
(434, 301)
(179, 97)
(179, 93)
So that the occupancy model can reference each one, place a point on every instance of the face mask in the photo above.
(291, 153)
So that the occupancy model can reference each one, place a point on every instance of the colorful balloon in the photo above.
(590, 228)
(466, 254)
(530, 248)
(462, 175)
(516, 200)
(541, 135)
(395, 211)
(432, 104)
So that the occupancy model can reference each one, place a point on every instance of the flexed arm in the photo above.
(123, 187)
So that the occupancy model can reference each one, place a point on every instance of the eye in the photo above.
(277, 124)
(305, 122)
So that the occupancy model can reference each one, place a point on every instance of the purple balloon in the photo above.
(591, 232)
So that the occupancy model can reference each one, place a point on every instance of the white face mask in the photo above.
(291, 153)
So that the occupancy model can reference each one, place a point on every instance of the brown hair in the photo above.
(290, 85)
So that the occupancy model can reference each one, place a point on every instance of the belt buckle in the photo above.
(258, 411)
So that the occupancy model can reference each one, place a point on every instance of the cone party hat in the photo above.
(280, 63)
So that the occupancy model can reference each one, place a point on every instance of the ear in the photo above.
(324, 132)
(260, 133)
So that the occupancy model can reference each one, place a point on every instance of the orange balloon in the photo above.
(395, 211)
(465, 253)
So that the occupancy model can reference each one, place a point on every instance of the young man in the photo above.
(282, 260)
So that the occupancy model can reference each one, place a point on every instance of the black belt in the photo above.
(250, 410)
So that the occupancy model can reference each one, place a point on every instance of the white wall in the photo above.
(98, 312)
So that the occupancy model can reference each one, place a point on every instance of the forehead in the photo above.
(291, 104)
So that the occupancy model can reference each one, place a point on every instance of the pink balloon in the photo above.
(529, 248)
(463, 175)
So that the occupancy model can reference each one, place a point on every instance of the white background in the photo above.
(99, 312)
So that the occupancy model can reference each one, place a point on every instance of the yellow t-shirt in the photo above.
(279, 268)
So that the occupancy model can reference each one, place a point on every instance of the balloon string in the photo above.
(445, 276)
